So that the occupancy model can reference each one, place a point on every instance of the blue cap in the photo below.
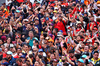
(60, 31)
(22, 56)
(81, 60)
(5, 63)
(47, 18)
(84, 56)
(40, 50)
(17, 11)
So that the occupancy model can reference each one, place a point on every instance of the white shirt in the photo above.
(8, 2)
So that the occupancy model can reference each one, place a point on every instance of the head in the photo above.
(31, 35)
(35, 49)
(95, 55)
(92, 18)
(19, 61)
(36, 21)
(30, 12)
(19, 50)
(96, 44)
(24, 64)
(86, 48)
(36, 64)
(71, 53)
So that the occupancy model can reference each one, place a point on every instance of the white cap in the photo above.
(9, 53)
(98, 5)
(55, 7)
(11, 45)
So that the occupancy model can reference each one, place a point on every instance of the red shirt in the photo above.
(60, 26)
(89, 25)
(20, 1)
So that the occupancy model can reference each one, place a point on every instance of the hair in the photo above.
(97, 43)
(5, 59)
(19, 48)
(30, 31)
(19, 59)
(31, 56)
(96, 52)
(56, 29)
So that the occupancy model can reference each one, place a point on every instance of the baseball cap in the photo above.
(40, 50)
(22, 56)
(4, 38)
(78, 22)
(84, 56)
(55, 7)
(59, 34)
(26, 20)
(98, 5)
(5, 63)
(81, 60)
(51, 40)
(17, 11)
(9, 53)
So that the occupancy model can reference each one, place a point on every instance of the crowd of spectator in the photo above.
(50, 33)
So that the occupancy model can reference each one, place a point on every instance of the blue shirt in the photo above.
(31, 41)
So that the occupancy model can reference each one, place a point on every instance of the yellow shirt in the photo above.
(95, 61)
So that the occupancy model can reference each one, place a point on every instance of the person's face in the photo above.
(86, 48)
(52, 56)
(24, 64)
(14, 50)
(78, 38)
(36, 22)
(98, 11)
(41, 53)
(8, 40)
(37, 58)
(0, 31)
(91, 47)
(5, 50)
(71, 54)
(36, 64)
(95, 45)
(70, 10)
(28, 26)
(1, 42)
(79, 25)
(60, 18)
(96, 55)
(30, 34)
(34, 50)
(92, 18)
(54, 63)
(18, 51)
(30, 12)
(8, 56)
(26, 47)
(19, 63)
(80, 64)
